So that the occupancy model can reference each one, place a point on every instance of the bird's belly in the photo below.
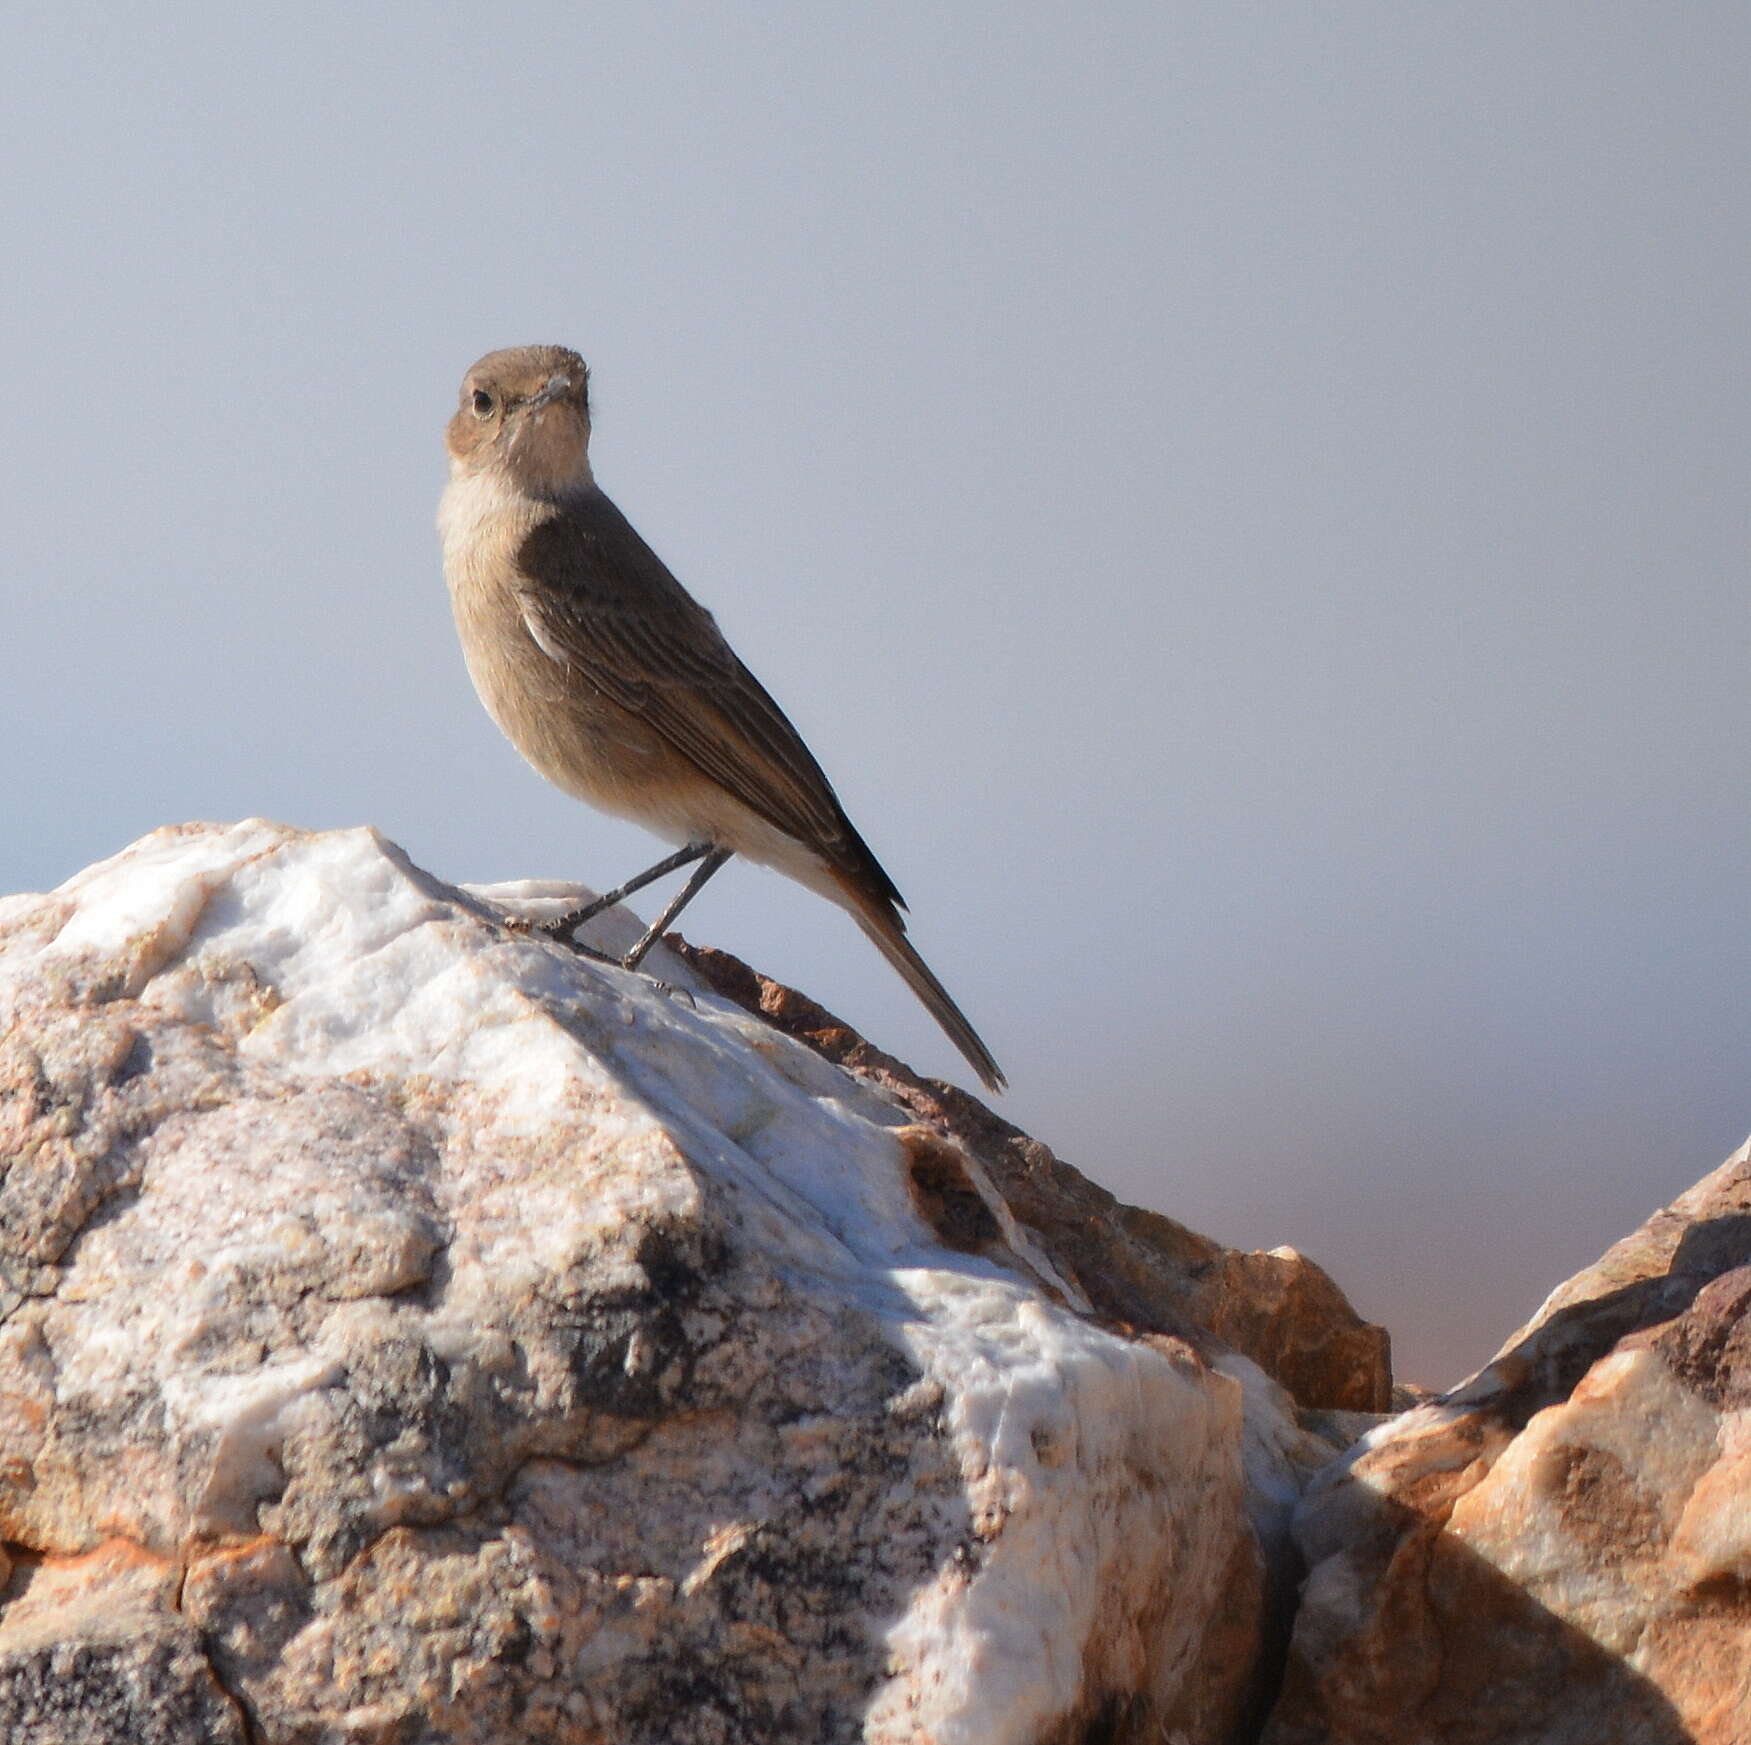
(567, 731)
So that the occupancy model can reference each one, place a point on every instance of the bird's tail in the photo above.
(887, 932)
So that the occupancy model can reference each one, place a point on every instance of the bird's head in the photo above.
(525, 412)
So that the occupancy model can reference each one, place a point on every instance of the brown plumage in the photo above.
(614, 682)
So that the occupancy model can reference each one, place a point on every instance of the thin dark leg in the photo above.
(714, 858)
(566, 925)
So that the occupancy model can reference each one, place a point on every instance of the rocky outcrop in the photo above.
(412, 1332)
(1561, 1549)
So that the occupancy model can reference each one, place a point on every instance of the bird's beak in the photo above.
(555, 386)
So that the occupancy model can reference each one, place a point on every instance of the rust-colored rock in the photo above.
(1561, 1549)
(1137, 1268)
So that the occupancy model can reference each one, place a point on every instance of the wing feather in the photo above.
(602, 602)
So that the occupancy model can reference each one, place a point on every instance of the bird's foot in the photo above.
(526, 926)
(628, 962)
(579, 948)
(562, 927)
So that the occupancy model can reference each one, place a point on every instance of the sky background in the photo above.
(1247, 503)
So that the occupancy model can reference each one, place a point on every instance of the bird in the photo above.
(616, 685)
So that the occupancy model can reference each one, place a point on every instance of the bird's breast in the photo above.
(577, 738)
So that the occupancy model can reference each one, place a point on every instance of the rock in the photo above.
(95, 1649)
(412, 1332)
(1560, 1550)
(1313, 1374)
(1137, 1269)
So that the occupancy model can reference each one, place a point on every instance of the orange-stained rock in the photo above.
(1560, 1550)
(94, 1649)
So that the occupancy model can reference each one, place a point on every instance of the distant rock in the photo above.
(1560, 1550)
(412, 1332)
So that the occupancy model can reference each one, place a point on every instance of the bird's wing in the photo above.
(599, 600)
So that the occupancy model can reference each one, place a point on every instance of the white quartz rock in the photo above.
(464, 1340)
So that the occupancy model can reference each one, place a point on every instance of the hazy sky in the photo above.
(1247, 503)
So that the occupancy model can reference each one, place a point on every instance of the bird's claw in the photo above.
(613, 962)
(589, 951)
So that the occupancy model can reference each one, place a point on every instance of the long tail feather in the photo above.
(886, 932)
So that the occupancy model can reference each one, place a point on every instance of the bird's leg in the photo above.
(714, 858)
(567, 924)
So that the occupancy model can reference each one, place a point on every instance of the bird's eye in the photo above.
(484, 404)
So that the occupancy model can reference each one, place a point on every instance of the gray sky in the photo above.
(1247, 503)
